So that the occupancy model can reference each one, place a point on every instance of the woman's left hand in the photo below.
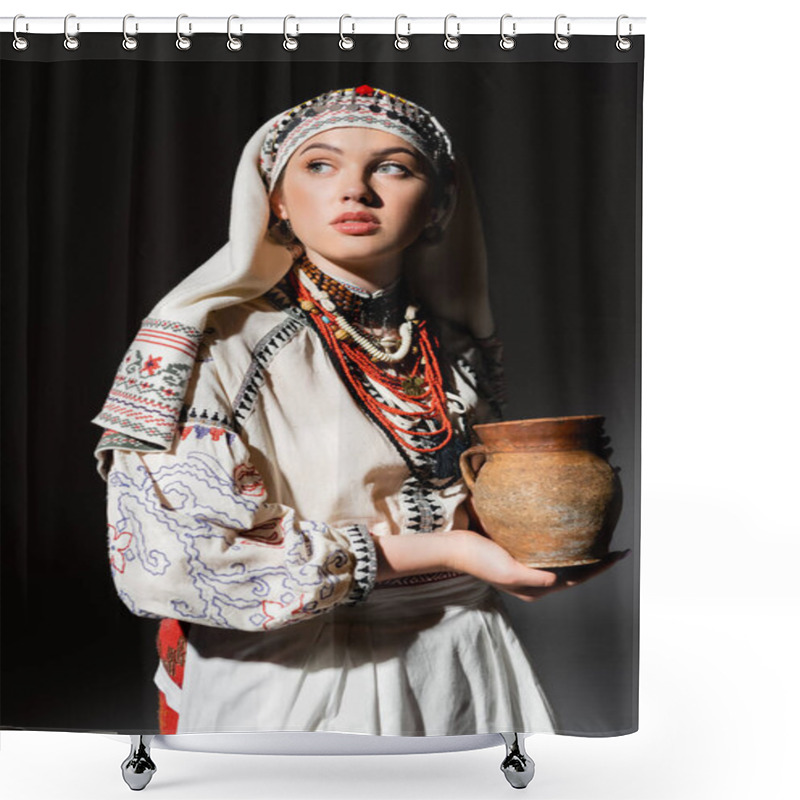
(572, 576)
(481, 557)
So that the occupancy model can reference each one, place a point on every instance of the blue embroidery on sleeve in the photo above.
(195, 500)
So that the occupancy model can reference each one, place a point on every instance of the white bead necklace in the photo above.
(375, 352)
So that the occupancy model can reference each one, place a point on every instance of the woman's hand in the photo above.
(484, 559)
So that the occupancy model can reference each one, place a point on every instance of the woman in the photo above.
(289, 413)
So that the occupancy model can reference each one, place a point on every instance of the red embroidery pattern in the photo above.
(248, 481)
(270, 534)
(171, 646)
(152, 365)
(298, 608)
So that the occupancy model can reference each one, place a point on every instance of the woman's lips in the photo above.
(355, 226)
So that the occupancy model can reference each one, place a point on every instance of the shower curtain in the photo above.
(117, 174)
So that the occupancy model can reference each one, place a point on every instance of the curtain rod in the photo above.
(456, 26)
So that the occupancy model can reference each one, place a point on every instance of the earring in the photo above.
(282, 232)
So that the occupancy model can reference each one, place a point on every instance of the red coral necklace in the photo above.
(419, 385)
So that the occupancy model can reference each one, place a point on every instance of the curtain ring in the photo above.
(71, 42)
(561, 42)
(289, 43)
(507, 42)
(182, 42)
(401, 42)
(234, 43)
(346, 42)
(129, 42)
(623, 44)
(20, 42)
(451, 42)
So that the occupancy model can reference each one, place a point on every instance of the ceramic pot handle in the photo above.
(465, 462)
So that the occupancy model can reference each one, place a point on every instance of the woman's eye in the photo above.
(387, 168)
(399, 169)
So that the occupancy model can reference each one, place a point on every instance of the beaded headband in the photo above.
(360, 107)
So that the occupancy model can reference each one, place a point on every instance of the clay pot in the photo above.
(544, 492)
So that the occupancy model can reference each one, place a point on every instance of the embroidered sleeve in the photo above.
(192, 535)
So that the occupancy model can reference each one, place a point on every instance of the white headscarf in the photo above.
(143, 407)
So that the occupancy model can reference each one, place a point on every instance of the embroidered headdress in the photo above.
(143, 407)
(363, 107)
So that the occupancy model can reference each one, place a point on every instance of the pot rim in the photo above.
(508, 422)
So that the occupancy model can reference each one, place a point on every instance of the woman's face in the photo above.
(357, 171)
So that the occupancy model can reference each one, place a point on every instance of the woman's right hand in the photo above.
(479, 556)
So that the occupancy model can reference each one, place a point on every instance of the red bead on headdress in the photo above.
(365, 90)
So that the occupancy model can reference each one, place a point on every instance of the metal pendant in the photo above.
(414, 386)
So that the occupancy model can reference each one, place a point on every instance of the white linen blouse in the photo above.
(256, 527)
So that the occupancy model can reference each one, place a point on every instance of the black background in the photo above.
(116, 177)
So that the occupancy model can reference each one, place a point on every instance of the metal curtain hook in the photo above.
(234, 43)
(182, 42)
(129, 42)
(71, 42)
(451, 42)
(346, 42)
(623, 43)
(561, 42)
(20, 42)
(507, 42)
(401, 42)
(289, 43)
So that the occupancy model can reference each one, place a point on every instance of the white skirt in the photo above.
(435, 659)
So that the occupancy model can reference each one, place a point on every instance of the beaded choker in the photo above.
(382, 309)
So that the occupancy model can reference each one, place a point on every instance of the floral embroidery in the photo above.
(152, 365)
(187, 522)
(118, 549)
(298, 609)
(144, 409)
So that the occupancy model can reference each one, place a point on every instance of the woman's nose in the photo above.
(355, 186)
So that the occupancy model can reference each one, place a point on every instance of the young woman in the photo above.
(282, 439)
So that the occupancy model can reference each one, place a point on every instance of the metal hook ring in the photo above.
(182, 42)
(71, 42)
(234, 43)
(507, 42)
(129, 42)
(289, 42)
(561, 42)
(346, 42)
(20, 42)
(401, 42)
(451, 42)
(623, 44)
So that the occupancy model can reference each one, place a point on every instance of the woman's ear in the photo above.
(276, 202)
